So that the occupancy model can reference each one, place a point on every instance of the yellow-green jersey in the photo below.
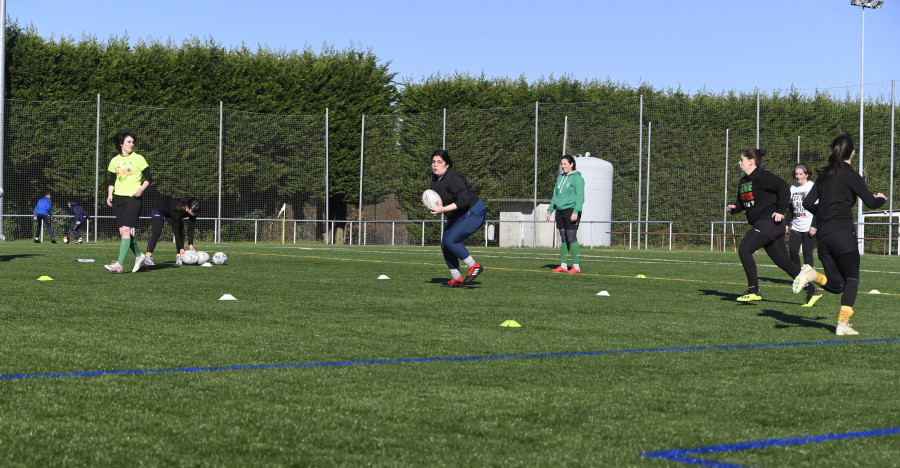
(128, 171)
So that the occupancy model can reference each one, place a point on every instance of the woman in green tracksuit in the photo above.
(568, 201)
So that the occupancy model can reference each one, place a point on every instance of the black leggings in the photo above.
(842, 269)
(801, 239)
(776, 250)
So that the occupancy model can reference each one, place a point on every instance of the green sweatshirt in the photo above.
(568, 193)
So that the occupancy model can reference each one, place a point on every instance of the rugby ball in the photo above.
(202, 257)
(190, 257)
(431, 199)
(219, 258)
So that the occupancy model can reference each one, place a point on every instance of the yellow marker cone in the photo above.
(640, 276)
(511, 324)
(45, 278)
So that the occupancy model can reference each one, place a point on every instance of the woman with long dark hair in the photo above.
(175, 209)
(764, 197)
(568, 202)
(832, 200)
(465, 215)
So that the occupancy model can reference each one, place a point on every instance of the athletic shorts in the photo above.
(564, 220)
(127, 209)
(769, 228)
(837, 243)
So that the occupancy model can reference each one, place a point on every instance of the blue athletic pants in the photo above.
(460, 230)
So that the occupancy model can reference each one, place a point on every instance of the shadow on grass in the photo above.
(790, 321)
(776, 280)
(444, 280)
(8, 258)
(732, 297)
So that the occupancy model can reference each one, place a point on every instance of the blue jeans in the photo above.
(460, 230)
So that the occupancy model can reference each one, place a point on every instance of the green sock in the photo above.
(135, 248)
(564, 251)
(123, 249)
(576, 253)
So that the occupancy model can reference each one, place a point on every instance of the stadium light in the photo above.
(862, 4)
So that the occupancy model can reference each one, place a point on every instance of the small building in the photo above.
(524, 225)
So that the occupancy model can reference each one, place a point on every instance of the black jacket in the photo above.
(836, 195)
(762, 193)
(453, 188)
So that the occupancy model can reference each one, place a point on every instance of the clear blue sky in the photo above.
(701, 44)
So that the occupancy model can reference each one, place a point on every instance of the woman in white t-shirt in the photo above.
(802, 224)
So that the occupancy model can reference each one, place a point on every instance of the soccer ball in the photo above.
(202, 257)
(431, 199)
(190, 257)
(219, 258)
(65, 239)
(1, 192)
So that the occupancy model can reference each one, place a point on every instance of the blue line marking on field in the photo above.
(422, 360)
(683, 455)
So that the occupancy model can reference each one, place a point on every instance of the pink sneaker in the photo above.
(559, 269)
(574, 270)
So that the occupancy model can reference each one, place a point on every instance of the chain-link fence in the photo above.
(674, 165)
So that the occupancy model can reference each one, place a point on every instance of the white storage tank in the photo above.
(598, 183)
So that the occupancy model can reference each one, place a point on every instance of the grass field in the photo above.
(319, 363)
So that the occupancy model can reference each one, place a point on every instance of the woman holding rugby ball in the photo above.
(465, 214)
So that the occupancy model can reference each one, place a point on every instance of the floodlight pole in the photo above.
(862, 4)
(2, 99)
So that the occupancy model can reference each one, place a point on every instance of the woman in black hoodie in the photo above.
(465, 214)
(764, 197)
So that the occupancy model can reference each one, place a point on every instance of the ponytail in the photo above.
(841, 150)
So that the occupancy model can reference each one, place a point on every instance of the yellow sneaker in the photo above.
(811, 299)
(749, 296)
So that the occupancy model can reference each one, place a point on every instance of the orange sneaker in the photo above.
(454, 283)
(574, 270)
(560, 269)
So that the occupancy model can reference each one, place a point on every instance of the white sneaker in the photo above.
(137, 263)
(845, 329)
(807, 274)
(114, 267)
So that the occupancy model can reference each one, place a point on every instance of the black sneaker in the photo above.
(474, 271)
(52, 241)
(37, 241)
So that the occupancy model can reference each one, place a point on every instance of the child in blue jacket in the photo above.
(43, 216)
